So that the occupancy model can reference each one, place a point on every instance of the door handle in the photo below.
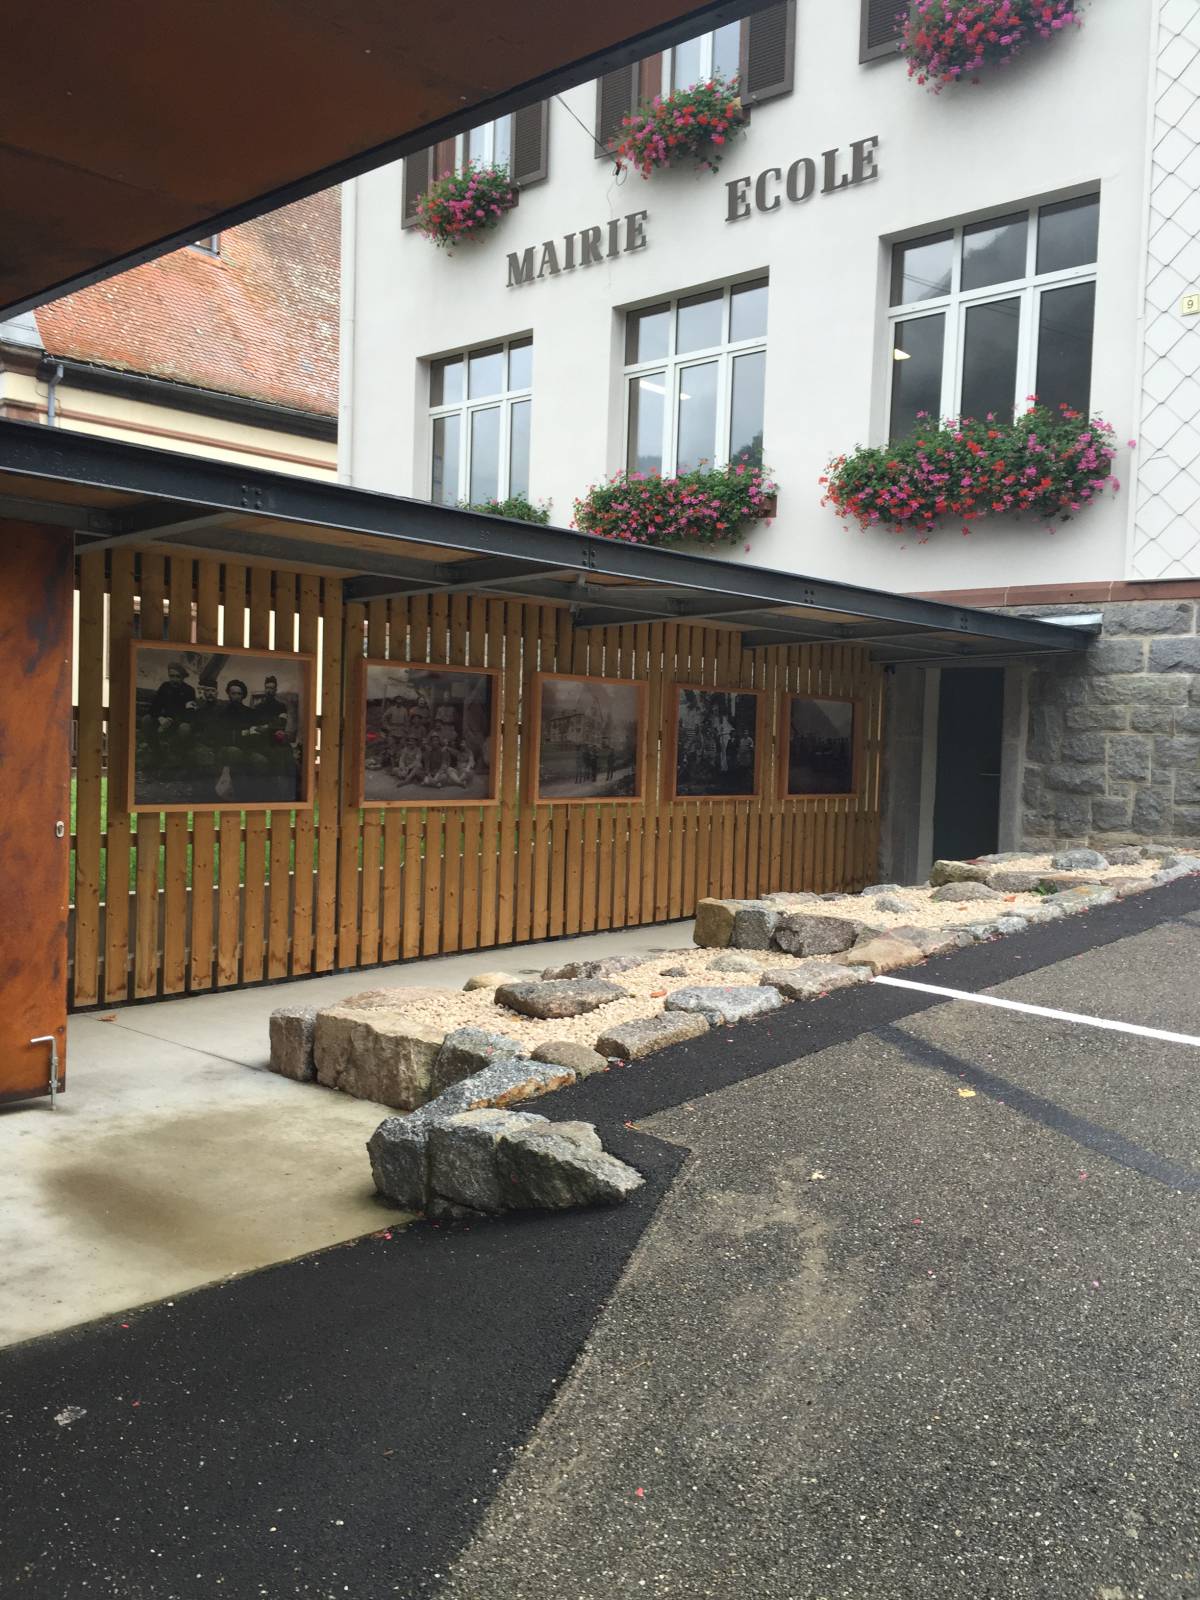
(48, 1038)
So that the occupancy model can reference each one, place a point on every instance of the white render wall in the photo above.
(1068, 116)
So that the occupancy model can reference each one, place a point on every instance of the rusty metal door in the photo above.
(36, 573)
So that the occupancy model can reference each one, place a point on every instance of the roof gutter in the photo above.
(192, 398)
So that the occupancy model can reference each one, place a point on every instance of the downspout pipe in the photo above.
(52, 371)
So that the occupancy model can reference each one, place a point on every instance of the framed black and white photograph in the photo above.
(714, 744)
(587, 738)
(427, 734)
(219, 729)
(819, 746)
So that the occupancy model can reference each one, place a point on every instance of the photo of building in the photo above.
(863, 255)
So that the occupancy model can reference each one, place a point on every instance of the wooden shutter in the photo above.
(531, 143)
(768, 53)
(616, 98)
(417, 173)
(880, 35)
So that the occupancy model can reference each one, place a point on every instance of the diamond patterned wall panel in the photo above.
(1167, 518)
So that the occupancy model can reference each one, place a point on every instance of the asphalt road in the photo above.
(907, 1307)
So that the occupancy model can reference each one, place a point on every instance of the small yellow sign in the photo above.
(1191, 305)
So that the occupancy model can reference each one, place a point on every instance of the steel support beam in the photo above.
(451, 577)
(156, 525)
(191, 486)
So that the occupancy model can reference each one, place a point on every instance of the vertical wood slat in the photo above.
(254, 933)
(476, 652)
(279, 928)
(329, 776)
(304, 868)
(435, 816)
(349, 818)
(372, 817)
(509, 759)
(229, 866)
(89, 779)
(176, 899)
(149, 835)
(489, 845)
(204, 827)
(392, 894)
(415, 862)
(117, 849)
(453, 829)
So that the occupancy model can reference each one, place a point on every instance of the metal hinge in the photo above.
(49, 1038)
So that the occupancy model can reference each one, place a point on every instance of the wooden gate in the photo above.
(195, 901)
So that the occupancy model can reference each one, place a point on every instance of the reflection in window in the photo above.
(922, 270)
(746, 408)
(1014, 297)
(647, 410)
(697, 416)
(683, 413)
(989, 383)
(916, 372)
(1064, 369)
(485, 454)
(994, 252)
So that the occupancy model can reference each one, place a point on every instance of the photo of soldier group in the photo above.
(428, 735)
(588, 737)
(716, 744)
(219, 728)
(820, 746)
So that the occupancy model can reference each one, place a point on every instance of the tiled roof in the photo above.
(260, 319)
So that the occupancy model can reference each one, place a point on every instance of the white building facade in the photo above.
(867, 250)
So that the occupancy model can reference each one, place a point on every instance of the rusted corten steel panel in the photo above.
(36, 582)
(128, 127)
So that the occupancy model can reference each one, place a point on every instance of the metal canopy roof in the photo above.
(115, 494)
(130, 127)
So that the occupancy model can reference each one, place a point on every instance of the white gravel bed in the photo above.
(447, 1009)
(475, 1008)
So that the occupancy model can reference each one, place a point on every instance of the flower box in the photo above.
(709, 506)
(1046, 464)
(690, 125)
(465, 204)
(947, 40)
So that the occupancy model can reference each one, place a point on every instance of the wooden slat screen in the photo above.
(197, 901)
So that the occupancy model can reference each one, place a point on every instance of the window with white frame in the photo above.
(480, 406)
(696, 60)
(985, 315)
(695, 369)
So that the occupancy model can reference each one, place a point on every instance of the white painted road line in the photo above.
(1042, 1011)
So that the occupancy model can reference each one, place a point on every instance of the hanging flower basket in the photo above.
(946, 40)
(689, 125)
(710, 505)
(1047, 464)
(465, 204)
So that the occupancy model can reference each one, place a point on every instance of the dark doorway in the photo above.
(966, 806)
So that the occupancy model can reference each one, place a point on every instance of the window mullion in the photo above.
(502, 466)
(1031, 308)
(464, 452)
(724, 417)
(671, 420)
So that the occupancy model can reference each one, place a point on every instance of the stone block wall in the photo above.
(1112, 747)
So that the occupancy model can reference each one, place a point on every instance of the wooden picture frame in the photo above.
(785, 734)
(671, 743)
(457, 788)
(536, 746)
(172, 743)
